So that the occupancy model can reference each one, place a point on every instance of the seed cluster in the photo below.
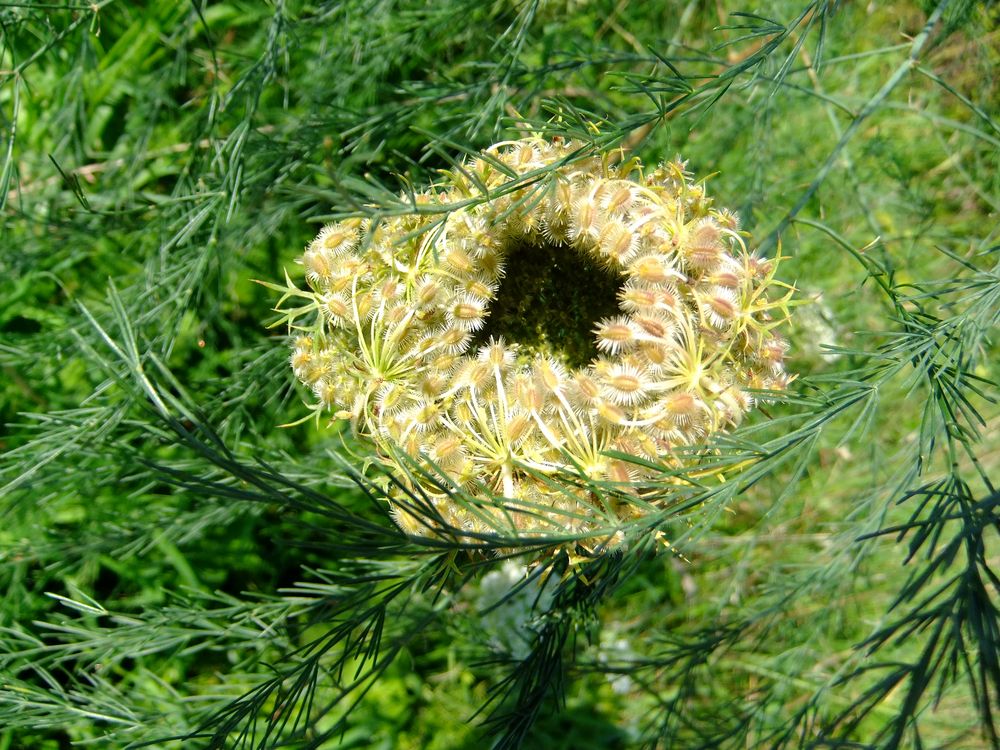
(391, 320)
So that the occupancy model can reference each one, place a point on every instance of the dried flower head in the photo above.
(527, 335)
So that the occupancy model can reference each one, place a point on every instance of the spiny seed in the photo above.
(491, 264)
(319, 265)
(391, 396)
(337, 306)
(655, 353)
(335, 238)
(705, 248)
(428, 292)
(625, 382)
(524, 156)
(481, 289)
(634, 299)
(706, 233)
(726, 279)
(585, 218)
(527, 393)
(619, 199)
(681, 407)
(496, 353)
(616, 242)
(564, 197)
(446, 448)
(433, 383)
(609, 412)
(655, 327)
(588, 387)
(704, 257)
(301, 359)
(619, 471)
(459, 260)
(468, 314)
(518, 427)
(653, 269)
(760, 267)
(614, 335)
(453, 339)
(774, 352)
(723, 306)
(326, 392)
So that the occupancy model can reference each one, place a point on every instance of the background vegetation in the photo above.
(179, 571)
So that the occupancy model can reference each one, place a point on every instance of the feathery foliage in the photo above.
(180, 570)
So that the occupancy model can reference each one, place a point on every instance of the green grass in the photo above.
(167, 548)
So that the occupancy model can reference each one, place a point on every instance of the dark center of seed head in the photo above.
(550, 299)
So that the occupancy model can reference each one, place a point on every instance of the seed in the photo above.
(624, 384)
(467, 313)
(655, 326)
(653, 269)
(609, 412)
(551, 373)
(619, 199)
(428, 291)
(320, 265)
(337, 306)
(681, 407)
(587, 387)
(616, 242)
(585, 219)
(459, 260)
(615, 335)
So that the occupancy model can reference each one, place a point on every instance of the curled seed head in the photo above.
(674, 366)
